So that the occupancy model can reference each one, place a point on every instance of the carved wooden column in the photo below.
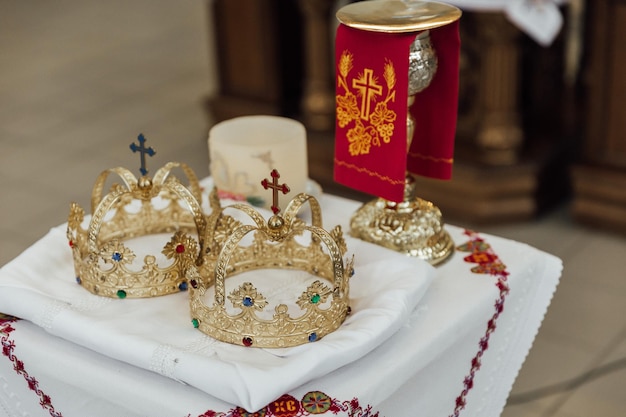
(318, 100)
(600, 177)
(499, 134)
(491, 182)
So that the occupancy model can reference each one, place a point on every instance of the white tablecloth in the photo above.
(457, 354)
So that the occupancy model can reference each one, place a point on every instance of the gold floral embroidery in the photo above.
(360, 140)
(366, 127)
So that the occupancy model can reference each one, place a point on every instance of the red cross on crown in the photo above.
(276, 187)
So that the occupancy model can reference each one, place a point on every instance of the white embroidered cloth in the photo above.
(156, 334)
(419, 370)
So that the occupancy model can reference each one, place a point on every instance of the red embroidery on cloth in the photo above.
(488, 263)
(8, 347)
(285, 406)
(313, 403)
(240, 412)
(209, 413)
(316, 402)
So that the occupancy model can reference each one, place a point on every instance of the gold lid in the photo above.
(396, 16)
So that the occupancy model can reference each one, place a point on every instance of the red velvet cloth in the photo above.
(435, 110)
(371, 102)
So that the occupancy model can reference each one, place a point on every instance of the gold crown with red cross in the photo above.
(287, 282)
(136, 209)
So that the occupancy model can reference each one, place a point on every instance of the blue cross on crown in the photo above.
(141, 148)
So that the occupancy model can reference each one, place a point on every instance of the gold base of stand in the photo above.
(413, 226)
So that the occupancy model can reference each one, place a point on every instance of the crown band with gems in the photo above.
(324, 303)
(104, 264)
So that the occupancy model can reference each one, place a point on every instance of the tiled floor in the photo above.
(79, 80)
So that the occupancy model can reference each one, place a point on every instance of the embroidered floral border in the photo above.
(487, 262)
(8, 347)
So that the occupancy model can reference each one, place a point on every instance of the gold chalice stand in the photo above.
(413, 226)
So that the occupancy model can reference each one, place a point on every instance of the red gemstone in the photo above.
(71, 243)
(180, 248)
(247, 341)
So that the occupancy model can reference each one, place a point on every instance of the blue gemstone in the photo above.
(312, 337)
(183, 286)
(78, 280)
(116, 256)
(248, 302)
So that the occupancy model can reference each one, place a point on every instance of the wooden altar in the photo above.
(510, 159)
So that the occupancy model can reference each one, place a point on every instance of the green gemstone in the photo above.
(121, 294)
(195, 323)
(315, 299)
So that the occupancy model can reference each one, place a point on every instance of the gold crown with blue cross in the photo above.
(161, 206)
(288, 283)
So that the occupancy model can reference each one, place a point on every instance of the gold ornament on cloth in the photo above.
(105, 264)
(278, 243)
(372, 126)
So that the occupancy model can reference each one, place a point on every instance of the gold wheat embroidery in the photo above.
(367, 126)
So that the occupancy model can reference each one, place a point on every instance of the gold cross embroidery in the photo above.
(369, 88)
